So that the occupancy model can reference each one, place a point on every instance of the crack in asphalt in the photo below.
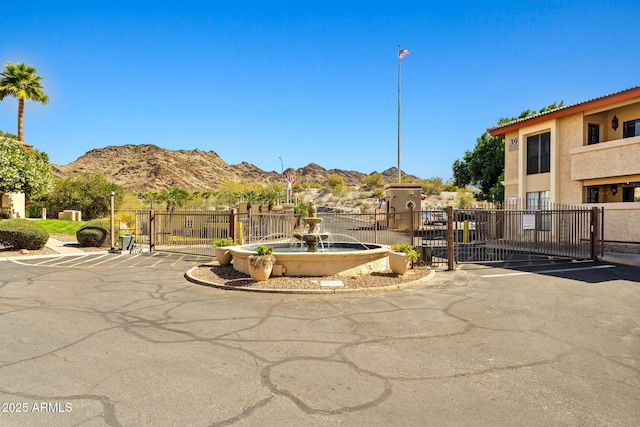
(257, 328)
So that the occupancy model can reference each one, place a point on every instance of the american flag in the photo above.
(403, 53)
(289, 178)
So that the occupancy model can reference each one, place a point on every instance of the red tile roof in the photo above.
(609, 99)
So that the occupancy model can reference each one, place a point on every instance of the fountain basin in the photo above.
(339, 259)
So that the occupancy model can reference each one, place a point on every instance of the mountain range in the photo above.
(140, 168)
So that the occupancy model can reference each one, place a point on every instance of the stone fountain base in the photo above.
(348, 260)
(312, 240)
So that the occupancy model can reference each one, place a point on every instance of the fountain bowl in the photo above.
(338, 259)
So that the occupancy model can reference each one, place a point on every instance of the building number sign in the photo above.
(513, 144)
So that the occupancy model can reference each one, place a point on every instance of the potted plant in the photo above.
(221, 251)
(261, 263)
(401, 255)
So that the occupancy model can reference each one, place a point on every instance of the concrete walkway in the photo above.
(66, 248)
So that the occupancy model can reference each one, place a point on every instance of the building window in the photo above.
(592, 194)
(631, 128)
(631, 194)
(593, 134)
(539, 201)
(539, 153)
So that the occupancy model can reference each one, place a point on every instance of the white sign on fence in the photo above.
(528, 222)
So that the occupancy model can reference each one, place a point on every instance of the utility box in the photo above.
(425, 254)
(125, 242)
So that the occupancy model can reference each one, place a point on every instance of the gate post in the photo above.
(450, 263)
(233, 219)
(411, 206)
(594, 234)
(152, 231)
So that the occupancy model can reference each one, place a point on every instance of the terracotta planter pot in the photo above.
(260, 266)
(399, 262)
(223, 255)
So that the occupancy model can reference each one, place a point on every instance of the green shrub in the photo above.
(96, 233)
(219, 243)
(23, 234)
(4, 215)
(34, 209)
(89, 193)
(264, 250)
(407, 249)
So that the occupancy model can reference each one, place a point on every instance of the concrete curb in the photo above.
(58, 255)
(618, 261)
(621, 258)
(189, 276)
(61, 249)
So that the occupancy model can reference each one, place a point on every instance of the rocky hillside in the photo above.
(140, 168)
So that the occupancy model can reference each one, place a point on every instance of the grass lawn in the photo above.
(59, 226)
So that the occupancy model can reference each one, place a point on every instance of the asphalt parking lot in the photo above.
(127, 341)
(124, 260)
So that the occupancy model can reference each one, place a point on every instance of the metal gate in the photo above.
(184, 231)
(430, 237)
(525, 235)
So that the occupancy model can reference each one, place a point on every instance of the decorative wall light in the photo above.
(614, 123)
(614, 189)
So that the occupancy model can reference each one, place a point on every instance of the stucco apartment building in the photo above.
(585, 154)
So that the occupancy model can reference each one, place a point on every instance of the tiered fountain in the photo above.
(292, 259)
(312, 238)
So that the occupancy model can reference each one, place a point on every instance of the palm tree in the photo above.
(20, 81)
(209, 194)
(194, 199)
(251, 197)
(175, 197)
(151, 197)
(269, 196)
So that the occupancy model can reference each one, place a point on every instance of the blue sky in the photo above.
(308, 81)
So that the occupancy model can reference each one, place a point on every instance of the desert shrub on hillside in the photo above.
(373, 181)
(310, 185)
(433, 186)
(465, 198)
(22, 234)
(337, 186)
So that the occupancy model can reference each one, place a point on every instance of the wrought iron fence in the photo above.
(441, 237)
(516, 235)
(186, 231)
(264, 227)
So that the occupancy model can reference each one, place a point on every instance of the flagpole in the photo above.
(399, 172)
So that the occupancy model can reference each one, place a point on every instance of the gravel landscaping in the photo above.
(226, 276)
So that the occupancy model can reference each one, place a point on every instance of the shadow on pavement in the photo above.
(584, 271)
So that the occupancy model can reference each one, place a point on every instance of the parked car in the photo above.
(434, 217)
